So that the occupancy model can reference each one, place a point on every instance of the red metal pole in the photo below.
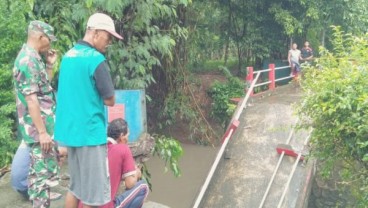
(271, 77)
(249, 78)
(234, 125)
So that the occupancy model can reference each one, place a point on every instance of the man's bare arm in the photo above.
(51, 57)
(130, 181)
(110, 101)
(49, 73)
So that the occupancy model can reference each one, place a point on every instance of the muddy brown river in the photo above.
(181, 192)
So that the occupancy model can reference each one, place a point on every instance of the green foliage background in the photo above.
(335, 105)
(170, 151)
(13, 33)
(251, 31)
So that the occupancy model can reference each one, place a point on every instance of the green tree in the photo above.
(13, 27)
(335, 106)
(257, 30)
(350, 15)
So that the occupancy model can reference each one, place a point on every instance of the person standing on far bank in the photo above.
(85, 87)
(307, 53)
(294, 56)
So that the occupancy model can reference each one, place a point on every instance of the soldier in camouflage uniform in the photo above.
(36, 110)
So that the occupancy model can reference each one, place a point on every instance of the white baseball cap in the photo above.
(100, 21)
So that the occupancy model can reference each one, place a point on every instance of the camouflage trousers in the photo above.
(43, 174)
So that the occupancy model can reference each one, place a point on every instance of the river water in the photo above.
(181, 192)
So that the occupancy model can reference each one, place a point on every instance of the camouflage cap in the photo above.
(42, 27)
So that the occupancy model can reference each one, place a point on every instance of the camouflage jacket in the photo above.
(30, 77)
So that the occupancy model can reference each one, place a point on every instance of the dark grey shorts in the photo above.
(89, 174)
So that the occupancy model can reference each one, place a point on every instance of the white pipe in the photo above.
(266, 70)
(282, 67)
(212, 170)
(245, 100)
(288, 77)
(276, 168)
(223, 146)
(292, 173)
(264, 83)
(263, 70)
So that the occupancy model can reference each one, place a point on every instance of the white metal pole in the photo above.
(224, 144)
(245, 100)
(276, 168)
(292, 173)
(213, 168)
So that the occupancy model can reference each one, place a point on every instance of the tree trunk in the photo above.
(226, 55)
(290, 43)
(323, 37)
(228, 33)
(238, 45)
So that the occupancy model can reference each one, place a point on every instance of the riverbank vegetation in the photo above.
(335, 105)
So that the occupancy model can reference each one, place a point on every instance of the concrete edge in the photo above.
(303, 197)
(151, 204)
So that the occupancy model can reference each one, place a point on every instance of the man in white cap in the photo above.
(85, 87)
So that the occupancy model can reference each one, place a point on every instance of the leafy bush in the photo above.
(221, 93)
(169, 150)
(7, 117)
(13, 27)
(13, 30)
(335, 105)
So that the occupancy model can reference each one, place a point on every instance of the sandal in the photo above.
(55, 196)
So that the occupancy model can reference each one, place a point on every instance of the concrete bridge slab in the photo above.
(241, 180)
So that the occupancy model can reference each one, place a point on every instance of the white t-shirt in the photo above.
(294, 55)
